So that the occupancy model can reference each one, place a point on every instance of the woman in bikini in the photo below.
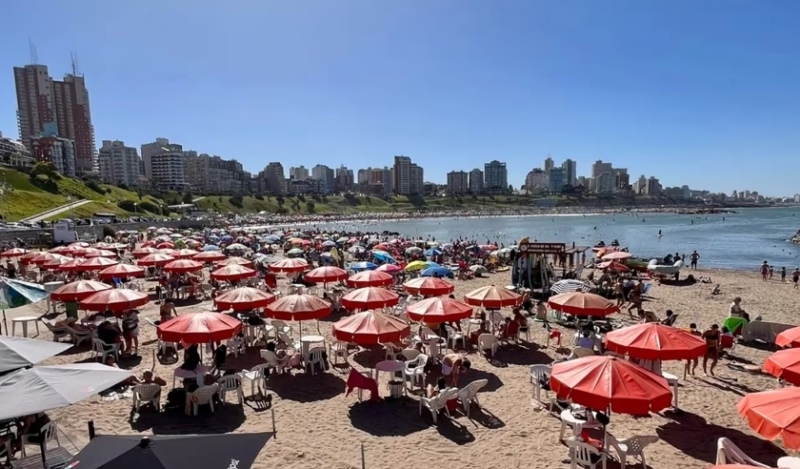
(712, 338)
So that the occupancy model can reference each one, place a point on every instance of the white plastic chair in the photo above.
(729, 453)
(281, 327)
(59, 332)
(314, 359)
(337, 350)
(453, 337)
(536, 373)
(410, 354)
(231, 383)
(78, 336)
(273, 361)
(391, 351)
(438, 403)
(587, 455)
(102, 349)
(235, 346)
(147, 393)
(415, 370)
(631, 447)
(469, 394)
(202, 396)
(49, 432)
(255, 374)
(488, 342)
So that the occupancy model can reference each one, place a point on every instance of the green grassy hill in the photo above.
(25, 196)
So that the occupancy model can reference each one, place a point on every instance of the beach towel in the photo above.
(358, 381)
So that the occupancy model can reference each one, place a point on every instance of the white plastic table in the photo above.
(569, 420)
(389, 366)
(673, 381)
(24, 320)
(307, 341)
(789, 462)
(198, 373)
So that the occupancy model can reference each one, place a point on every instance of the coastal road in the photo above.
(56, 211)
(197, 199)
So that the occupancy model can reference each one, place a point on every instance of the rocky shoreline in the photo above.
(796, 238)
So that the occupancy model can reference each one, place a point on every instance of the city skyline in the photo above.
(318, 104)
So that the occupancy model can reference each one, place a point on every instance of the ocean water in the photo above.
(739, 241)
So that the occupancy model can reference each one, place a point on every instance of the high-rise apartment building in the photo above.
(325, 176)
(557, 179)
(457, 182)
(42, 100)
(417, 180)
(495, 176)
(476, 181)
(401, 175)
(537, 180)
(118, 164)
(160, 145)
(571, 168)
(344, 179)
(50, 148)
(168, 169)
(298, 173)
(273, 179)
(548, 165)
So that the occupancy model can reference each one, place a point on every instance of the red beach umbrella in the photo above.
(235, 260)
(77, 291)
(185, 254)
(370, 278)
(492, 297)
(243, 299)
(30, 257)
(326, 274)
(299, 307)
(56, 262)
(14, 252)
(183, 266)
(582, 304)
(389, 268)
(784, 364)
(118, 299)
(93, 252)
(45, 257)
(774, 414)
(437, 310)
(71, 266)
(654, 341)
(59, 250)
(199, 328)
(788, 338)
(428, 286)
(232, 273)
(369, 298)
(155, 259)
(289, 266)
(121, 271)
(143, 251)
(95, 263)
(613, 266)
(370, 327)
(209, 256)
(602, 382)
(616, 256)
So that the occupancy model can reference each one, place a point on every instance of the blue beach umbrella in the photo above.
(384, 257)
(358, 266)
(432, 252)
(438, 270)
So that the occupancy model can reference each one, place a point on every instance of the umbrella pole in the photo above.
(363, 458)
(274, 431)
(5, 323)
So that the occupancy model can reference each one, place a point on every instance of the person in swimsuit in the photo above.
(453, 365)
(713, 338)
(691, 365)
(167, 311)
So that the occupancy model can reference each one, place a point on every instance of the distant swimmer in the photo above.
(643, 220)
(595, 227)
(692, 222)
(659, 233)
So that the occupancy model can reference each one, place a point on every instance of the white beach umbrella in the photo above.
(570, 285)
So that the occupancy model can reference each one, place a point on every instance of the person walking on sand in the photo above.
(694, 257)
(712, 337)
(783, 274)
(764, 271)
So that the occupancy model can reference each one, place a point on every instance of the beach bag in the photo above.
(176, 400)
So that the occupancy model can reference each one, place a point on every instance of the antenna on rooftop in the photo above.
(73, 56)
(34, 55)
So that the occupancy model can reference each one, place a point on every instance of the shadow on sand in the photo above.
(689, 433)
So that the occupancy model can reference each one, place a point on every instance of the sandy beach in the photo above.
(318, 427)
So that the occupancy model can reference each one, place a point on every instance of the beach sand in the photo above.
(318, 427)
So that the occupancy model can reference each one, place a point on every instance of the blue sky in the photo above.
(699, 93)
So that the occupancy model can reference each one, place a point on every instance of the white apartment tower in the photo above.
(118, 164)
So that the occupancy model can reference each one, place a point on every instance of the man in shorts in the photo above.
(694, 257)
(453, 365)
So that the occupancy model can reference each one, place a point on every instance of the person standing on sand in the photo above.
(764, 271)
(694, 258)
(712, 337)
(796, 276)
(783, 274)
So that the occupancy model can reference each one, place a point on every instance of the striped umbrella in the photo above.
(569, 286)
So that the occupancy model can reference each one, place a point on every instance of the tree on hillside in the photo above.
(187, 197)
(46, 169)
(310, 206)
